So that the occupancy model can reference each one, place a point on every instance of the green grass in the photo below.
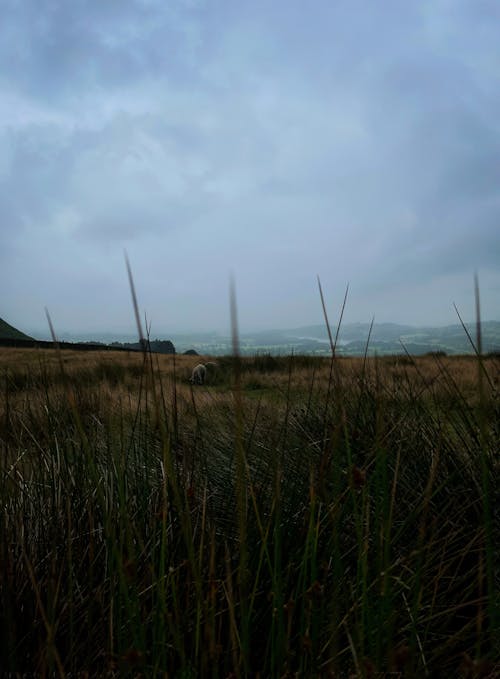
(304, 519)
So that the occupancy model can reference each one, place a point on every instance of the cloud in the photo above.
(276, 140)
(55, 48)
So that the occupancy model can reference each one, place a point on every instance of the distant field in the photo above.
(294, 516)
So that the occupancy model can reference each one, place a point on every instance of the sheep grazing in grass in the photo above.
(203, 371)
(198, 375)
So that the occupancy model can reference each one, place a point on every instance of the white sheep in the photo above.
(198, 375)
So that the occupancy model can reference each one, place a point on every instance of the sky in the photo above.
(272, 141)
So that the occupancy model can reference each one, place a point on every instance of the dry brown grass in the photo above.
(119, 373)
(361, 522)
(109, 386)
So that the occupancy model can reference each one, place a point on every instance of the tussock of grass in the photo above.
(360, 501)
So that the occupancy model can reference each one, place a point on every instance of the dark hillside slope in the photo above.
(10, 333)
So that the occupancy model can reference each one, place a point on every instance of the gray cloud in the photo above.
(55, 48)
(278, 141)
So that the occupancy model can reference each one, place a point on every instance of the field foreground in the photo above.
(294, 517)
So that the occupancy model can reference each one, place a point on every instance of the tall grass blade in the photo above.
(344, 302)
(325, 314)
(240, 482)
(135, 304)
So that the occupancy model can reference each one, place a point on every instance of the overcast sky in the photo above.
(276, 140)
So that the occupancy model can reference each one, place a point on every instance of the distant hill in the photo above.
(390, 338)
(385, 339)
(8, 332)
(11, 337)
(155, 346)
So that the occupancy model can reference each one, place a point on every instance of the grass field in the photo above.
(294, 517)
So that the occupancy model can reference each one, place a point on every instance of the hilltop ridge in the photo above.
(8, 332)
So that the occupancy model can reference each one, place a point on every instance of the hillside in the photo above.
(8, 332)
(385, 339)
